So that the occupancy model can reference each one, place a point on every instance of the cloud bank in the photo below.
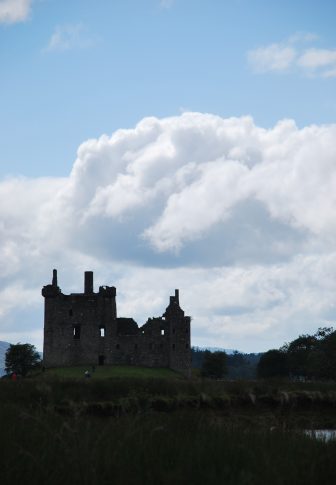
(12, 11)
(294, 54)
(239, 217)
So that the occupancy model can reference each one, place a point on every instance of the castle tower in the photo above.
(75, 325)
(179, 324)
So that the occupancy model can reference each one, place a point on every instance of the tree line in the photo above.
(219, 364)
(308, 357)
(305, 358)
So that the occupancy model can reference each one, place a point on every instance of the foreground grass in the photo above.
(156, 431)
(155, 449)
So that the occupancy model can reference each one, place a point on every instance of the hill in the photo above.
(217, 349)
(112, 371)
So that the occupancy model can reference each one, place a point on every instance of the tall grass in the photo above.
(128, 430)
(181, 448)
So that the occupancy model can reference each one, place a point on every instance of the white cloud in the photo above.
(319, 60)
(166, 3)
(275, 57)
(241, 218)
(314, 58)
(12, 11)
(70, 36)
(292, 54)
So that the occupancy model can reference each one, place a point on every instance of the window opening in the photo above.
(102, 331)
(70, 312)
(117, 346)
(173, 346)
(162, 331)
(101, 360)
(76, 332)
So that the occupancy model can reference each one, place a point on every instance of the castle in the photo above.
(83, 329)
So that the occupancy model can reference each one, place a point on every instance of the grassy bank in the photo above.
(152, 429)
(281, 405)
(105, 372)
(156, 448)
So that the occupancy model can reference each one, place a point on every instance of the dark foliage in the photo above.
(21, 358)
(214, 364)
(238, 366)
(242, 366)
(273, 363)
(305, 358)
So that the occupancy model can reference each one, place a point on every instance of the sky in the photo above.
(170, 144)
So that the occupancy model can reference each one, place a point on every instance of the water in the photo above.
(321, 434)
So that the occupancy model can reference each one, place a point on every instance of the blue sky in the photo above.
(165, 144)
(129, 59)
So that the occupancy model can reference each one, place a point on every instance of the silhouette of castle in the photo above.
(83, 329)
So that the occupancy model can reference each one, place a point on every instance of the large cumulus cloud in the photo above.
(240, 217)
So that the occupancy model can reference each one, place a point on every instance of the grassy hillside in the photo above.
(106, 371)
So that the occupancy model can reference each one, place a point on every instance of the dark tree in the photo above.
(21, 358)
(325, 359)
(273, 363)
(197, 356)
(301, 355)
(214, 364)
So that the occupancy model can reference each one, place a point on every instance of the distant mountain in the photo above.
(217, 349)
(3, 348)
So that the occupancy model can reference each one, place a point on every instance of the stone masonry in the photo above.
(83, 329)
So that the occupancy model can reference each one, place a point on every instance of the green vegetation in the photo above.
(150, 426)
(237, 366)
(21, 358)
(273, 363)
(185, 447)
(306, 357)
(151, 430)
(214, 364)
(106, 371)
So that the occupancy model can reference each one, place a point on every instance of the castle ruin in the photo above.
(83, 329)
